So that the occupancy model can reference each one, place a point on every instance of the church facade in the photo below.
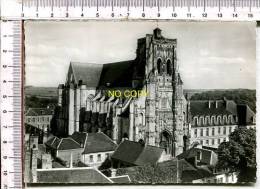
(158, 118)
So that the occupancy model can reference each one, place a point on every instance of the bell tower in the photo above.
(164, 106)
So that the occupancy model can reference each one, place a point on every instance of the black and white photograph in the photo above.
(139, 102)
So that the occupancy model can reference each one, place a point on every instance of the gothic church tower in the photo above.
(165, 104)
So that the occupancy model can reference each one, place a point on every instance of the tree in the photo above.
(239, 154)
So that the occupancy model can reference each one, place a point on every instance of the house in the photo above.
(91, 149)
(216, 178)
(204, 160)
(39, 118)
(213, 121)
(130, 153)
(98, 147)
(199, 156)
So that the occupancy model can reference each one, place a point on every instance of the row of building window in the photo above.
(38, 119)
(212, 142)
(91, 158)
(213, 120)
(214, 131)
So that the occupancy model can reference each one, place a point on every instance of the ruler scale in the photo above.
(134, 9)
(11, 105)
(136, 3)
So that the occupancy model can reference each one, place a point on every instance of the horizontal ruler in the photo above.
(132, 9)
(11, 105)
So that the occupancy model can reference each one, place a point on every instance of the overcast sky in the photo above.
(214, 55)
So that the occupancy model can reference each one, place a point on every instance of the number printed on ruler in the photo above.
(11, 101)
(134, 9)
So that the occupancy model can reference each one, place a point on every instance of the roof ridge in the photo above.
(53, 140)
(59, 143)
(85, 143)
(107, 137)
(72, 139)
(104, 175)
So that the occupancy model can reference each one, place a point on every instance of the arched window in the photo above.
(159, 66)
(201, 121)
(195, 121)
(168, 67)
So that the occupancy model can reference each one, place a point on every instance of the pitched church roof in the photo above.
(118, 74)
(136, 153)
(89, 73)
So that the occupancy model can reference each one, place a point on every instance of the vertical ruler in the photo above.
(11, 104)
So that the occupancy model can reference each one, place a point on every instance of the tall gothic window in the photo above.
(159, 66)
(168, 66)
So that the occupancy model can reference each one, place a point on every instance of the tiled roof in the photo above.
(62, 144)
(53, 142)
(136, 153)
(56, 164)
(117, 74)
(67, 144)
(39, 111)
(79, 137)
(98, 142)
(89, 73)
(124, 179)
(71, 175)
(94, 75)
(94, 142)
(201, 107)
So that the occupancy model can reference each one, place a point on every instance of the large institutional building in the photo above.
(93, 99)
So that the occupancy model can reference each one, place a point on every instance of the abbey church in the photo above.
(158, 118)
(163, 117)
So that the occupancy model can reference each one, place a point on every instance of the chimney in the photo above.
(99, 130)
(113, 172)
(33, 140)
(195, 161)
(82, 144)
(80, 82)
(216, 104)
(46, 161)
(33, 165)
(71, 161)
(209, 104)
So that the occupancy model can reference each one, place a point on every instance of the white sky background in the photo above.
(211, 55)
